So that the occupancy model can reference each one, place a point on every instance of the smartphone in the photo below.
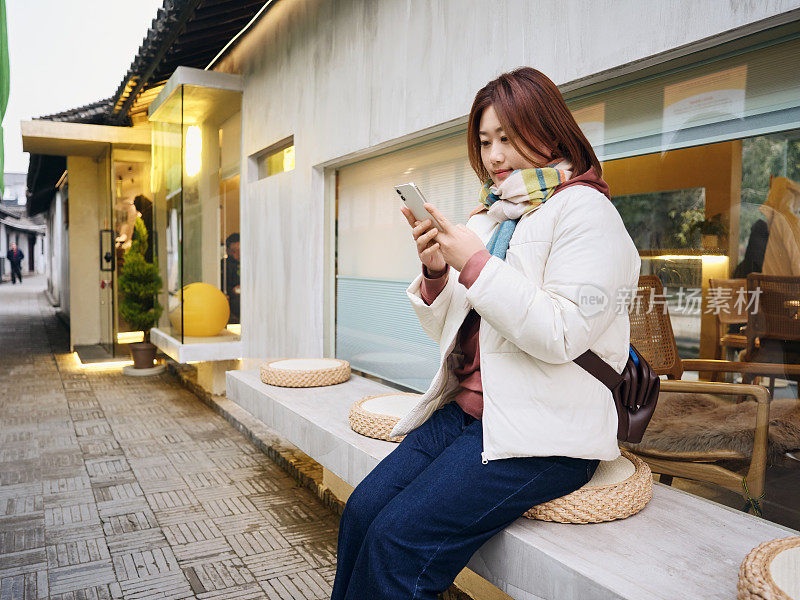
(411, 196)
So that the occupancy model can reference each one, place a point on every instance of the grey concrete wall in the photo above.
(345, 76)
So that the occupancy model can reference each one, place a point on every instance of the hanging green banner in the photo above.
(5, 81)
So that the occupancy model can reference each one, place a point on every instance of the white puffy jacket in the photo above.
(540, 308)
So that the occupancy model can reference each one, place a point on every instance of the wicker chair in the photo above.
(773, 330)
(651, 333)
(731, 312)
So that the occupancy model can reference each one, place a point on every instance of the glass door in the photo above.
(106, 259)
(132, 206)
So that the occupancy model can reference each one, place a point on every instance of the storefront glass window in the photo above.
(195, 179)
(376, 328)
(132, 200)
(703, 163)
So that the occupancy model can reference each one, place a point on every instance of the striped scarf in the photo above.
(523, 191)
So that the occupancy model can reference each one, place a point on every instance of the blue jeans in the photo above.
(416, 519)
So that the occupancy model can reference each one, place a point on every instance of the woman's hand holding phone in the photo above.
(428, 250)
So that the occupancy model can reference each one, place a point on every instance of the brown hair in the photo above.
(532, 112)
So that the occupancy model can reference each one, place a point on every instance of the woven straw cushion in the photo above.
(376, 416)
(305, 372)
(619, 488)
(771, 571)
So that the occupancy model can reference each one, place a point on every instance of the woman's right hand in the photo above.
(428, 250)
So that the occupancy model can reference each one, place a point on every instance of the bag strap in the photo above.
(596, 366)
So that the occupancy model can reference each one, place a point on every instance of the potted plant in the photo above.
(713, 230)
(710, 230)
(139, 286)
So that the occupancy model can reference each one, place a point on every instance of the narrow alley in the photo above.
(124, 487)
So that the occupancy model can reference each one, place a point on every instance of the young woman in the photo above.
(509, 421)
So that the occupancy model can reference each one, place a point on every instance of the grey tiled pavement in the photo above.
(117, 487)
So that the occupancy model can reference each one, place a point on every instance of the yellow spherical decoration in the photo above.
(205, 311)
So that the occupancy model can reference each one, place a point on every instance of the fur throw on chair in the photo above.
(685, 422)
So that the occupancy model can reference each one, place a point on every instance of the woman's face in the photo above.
(498, 153)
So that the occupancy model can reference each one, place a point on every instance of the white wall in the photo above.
(56, 258)
(65, 262)
(344, 76)
(88, 207)
(39, 259)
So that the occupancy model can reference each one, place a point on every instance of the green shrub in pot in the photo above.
(139, 286)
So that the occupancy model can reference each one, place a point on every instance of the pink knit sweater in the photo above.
(470, 396)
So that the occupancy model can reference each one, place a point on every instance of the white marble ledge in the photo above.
(679, 546)
(226, 346)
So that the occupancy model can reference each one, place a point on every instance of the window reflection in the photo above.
(782, 251)
(769, 238)
(702, 100)
(195, 174)
(703, 219)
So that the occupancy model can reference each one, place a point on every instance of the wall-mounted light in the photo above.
(706, 258)
(288, 158)
(192, 156)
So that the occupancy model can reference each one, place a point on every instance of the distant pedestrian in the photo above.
(232, 273)
(15, 256)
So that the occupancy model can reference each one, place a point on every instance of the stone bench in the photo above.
(679, 546)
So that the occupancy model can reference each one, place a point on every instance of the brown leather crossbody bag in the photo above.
(635, 391)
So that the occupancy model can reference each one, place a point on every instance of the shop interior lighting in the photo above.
(707, 258)
(100, 366)
(130, 337)
(288, 158)
(194, 150)
(106, 366)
